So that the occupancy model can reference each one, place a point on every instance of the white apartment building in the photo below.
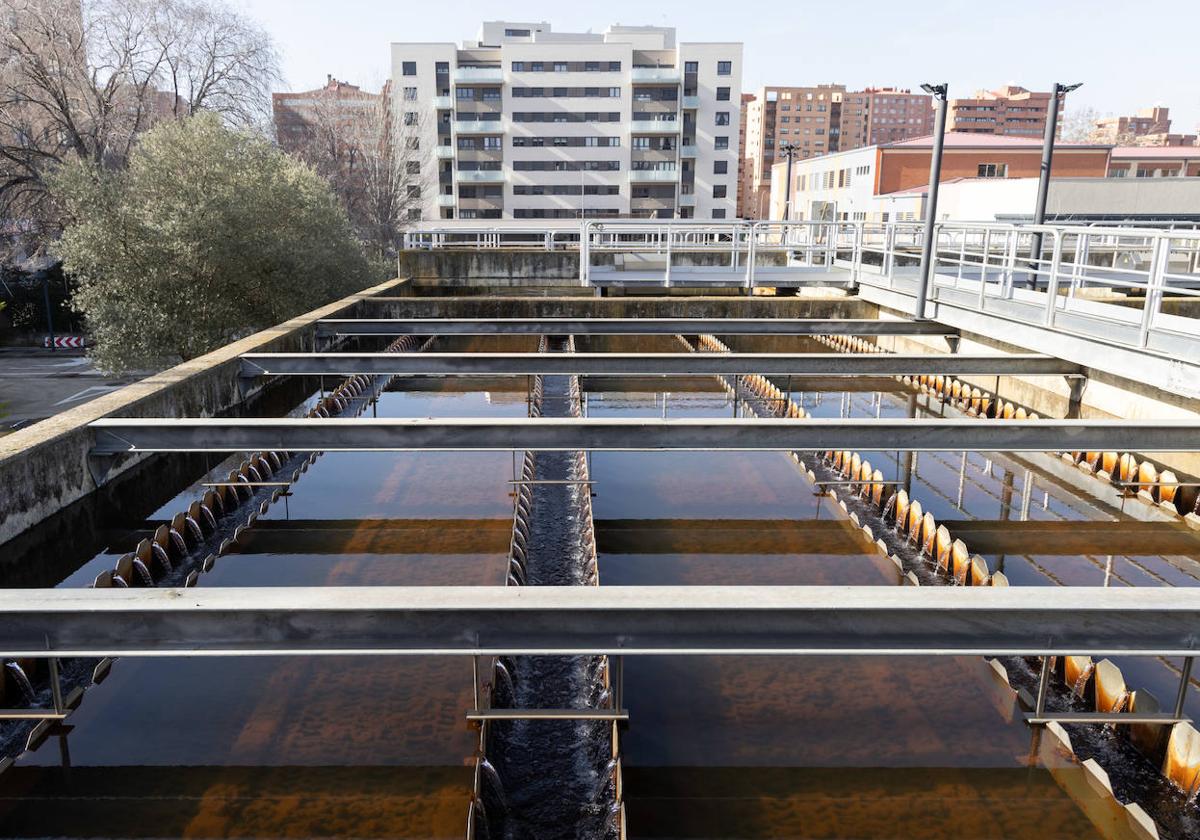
(527, 123)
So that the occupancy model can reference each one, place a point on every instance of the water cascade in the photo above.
(550, 778)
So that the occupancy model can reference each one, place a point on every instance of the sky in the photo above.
(1128, 56)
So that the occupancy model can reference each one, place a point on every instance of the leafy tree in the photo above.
(209, 234)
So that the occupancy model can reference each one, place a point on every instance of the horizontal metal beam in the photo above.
(646, 364)
(1018, 621)
(127, 435)
(548, 714)
(626, 326)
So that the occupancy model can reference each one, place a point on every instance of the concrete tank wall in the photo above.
(528, 266)
(44, 467)
(834, 306)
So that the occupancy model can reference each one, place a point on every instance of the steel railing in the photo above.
(1140, 280)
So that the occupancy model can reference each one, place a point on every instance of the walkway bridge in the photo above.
(1119, 299)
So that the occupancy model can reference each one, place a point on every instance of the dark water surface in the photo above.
(818, 747)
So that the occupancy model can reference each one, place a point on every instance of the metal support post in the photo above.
(1185, 677)
(1043, 688)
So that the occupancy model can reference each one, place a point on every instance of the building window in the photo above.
(591, 66)
(724, 68)
(560, 67)
(408, 68)
(440, 67)
(993, 170)
(516, 33)
(491, 143)
(465, 93)
(719, 190)
(720, 142)
(691, 67)
(722, 94)
(412, 167)
(410, 117)
(536, 66)
(518, 66)
(720, 167)
(614, 66)
(410, 94)
(722, 118)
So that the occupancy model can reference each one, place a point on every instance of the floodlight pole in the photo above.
(1039, 213)
(935, 177)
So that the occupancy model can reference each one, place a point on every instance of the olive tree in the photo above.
(208, 234)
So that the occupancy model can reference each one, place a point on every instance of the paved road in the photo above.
(36, 383)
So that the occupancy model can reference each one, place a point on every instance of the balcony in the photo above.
(654, 127)
(482, 176)
(442, 103)
(670, 75)
(670, 175)
(477, 75)
(444, 152)
(445, 201)
(688, 151)
(691, 103)
(478, 127)
(687, 200)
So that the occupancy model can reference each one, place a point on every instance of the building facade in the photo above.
(889, 182)
(821, 120)
(1148, 127)
(1155, 162)
(337, 112)
(528, 123)
(1010, 110)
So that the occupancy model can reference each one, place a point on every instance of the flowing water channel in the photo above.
(821, 747)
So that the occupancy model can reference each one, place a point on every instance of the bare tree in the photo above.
(373, 159)
(81, 79)
(1079, 125)
(216, 60)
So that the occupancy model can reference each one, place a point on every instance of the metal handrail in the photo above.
(990, 260)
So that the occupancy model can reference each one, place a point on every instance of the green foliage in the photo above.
(207, 236)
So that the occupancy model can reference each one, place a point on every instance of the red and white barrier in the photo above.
(75, 341)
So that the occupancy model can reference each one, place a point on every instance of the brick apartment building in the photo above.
(1011, 110)
(1148, 127)
(1154, 162)
(820, 120)
(316, 116)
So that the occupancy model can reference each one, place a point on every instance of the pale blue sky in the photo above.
(1129, 55)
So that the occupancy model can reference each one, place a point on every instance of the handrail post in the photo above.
(983, 267)
(750, 255)
(670, 235)
(584, 253)
(1159, 256)
(1052, 282)
(889, 253)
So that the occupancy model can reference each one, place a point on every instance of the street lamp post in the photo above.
(789, 149)
(1039, 213)
(935, 177)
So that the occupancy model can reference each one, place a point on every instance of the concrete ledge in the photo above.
(44, 467)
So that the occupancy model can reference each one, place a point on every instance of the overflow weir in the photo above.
(863, 575)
